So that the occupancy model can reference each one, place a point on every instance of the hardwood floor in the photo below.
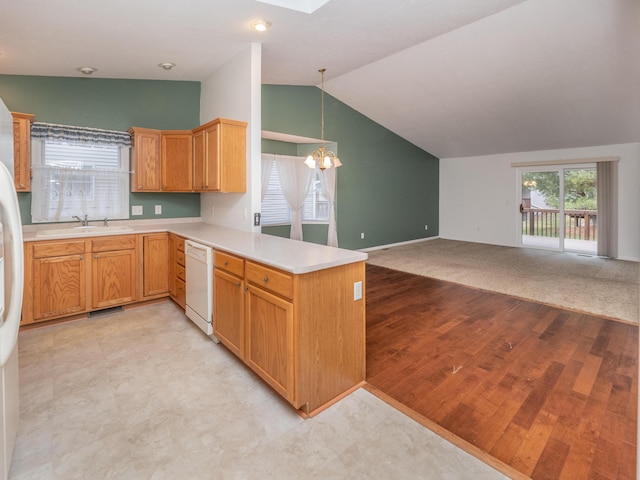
(549, 392)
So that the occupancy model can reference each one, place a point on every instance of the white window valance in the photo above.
(80, 135)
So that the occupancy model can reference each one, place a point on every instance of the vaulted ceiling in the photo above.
(455, 77)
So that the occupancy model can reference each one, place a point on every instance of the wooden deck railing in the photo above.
(544, 222)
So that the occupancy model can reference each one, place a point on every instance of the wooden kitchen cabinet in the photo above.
(219, 156)
(269, 349)
(155, 265)
(113, 271)
(146, 161)
(22, 151)
(228, 306)
(177, 161)
(55, 280)
(309, 349)
(177, 272)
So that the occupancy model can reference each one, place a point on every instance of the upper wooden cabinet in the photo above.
(219, 156)
(177, 161)
(210, 158)
(146, 162)
(22, 151)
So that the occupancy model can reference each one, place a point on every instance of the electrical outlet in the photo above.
(357, 291)
(362, 236)
(158, 209)
(426, 227)
(136, 210)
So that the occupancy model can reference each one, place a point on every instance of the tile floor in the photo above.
(143, 394)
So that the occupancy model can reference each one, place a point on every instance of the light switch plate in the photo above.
(136, 210)
(158, 209)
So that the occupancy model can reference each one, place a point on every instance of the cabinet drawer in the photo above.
(55, 249)
(229, 263)
(180, 258)
(106, 244)
(181, 273)
(278, 282)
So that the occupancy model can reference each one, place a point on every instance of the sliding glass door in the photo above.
(558, 208)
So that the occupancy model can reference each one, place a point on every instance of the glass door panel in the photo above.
(541, 209)
(580, 210)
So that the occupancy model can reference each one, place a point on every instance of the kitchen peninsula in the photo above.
(293, 312)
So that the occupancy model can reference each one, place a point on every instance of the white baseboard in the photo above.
(390, 245)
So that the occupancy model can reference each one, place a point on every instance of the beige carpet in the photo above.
(589, 284)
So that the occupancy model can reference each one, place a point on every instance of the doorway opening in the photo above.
(559, 208)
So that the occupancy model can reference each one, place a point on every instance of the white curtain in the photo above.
(328, 183)
(97, 187)
(295, 180)
(607, 178)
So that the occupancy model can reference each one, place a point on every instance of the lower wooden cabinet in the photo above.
(70, 277)
(228, 311)
(303, 334)
(114, 278)
(269, 340)
(56, 281)
(155, 265)
(177, 272)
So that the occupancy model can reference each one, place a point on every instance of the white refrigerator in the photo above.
(11, 289)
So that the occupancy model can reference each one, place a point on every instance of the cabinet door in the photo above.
(269, 348)
(228, 311)
(232, 152)
(22, 151)
(59, 286)
(198, 161)
(155, 264)
(114, 278)
(212, 158)
(146, 160)
(177, 162)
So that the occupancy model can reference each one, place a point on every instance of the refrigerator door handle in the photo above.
(9, 204)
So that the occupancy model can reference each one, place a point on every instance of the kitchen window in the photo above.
(79, 171)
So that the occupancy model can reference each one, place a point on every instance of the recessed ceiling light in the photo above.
(260, 25)
(87, 70)
(167, 65)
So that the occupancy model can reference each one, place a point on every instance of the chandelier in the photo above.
(322, 157)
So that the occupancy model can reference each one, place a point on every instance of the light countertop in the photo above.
(289, 255)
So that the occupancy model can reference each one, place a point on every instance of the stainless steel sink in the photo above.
(83, 231)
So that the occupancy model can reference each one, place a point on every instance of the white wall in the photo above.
(479, 195)
(234, 91)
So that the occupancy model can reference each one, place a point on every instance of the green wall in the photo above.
(387, 187)
(112, 104)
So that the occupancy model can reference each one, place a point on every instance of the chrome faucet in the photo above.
(84, 222)
(106, 222)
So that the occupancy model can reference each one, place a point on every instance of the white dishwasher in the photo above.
(199, 285)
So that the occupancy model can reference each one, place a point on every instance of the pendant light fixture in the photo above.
(322, 158)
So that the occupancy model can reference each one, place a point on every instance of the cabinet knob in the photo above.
(22, 185)
(265, 279)
(226, 263)
(81, 257)
(96, 256)
(238, 284)
(246, 289)
(140, 186)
